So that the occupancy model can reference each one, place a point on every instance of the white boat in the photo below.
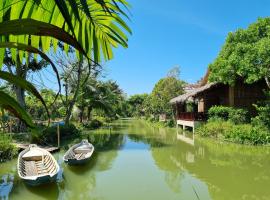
(37, 166)
(79, 153)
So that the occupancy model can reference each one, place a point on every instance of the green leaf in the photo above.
(34, 27)
(31, 49)
(2, 54)
(85, 8)
(10, 104)
(62, 6)
(75, 10)
(16, 80)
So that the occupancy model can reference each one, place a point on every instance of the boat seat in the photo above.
(33, 155)
(30, 168)
(78, 156)
(82, 149)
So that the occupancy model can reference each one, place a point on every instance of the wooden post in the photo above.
(231, 95)
(58, 135)
(10, 127)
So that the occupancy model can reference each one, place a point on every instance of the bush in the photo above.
(263, 117)
(247, 134)
(7, 149)
(238, 133)
(214, 129)
(93, 124)
(219, 112)
(170, 123)
(49, 135)
(237, 116)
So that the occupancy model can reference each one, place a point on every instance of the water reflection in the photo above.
(230, 171)
(133, 160)
(187, 137)
(6, 186)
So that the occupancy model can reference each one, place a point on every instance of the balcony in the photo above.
(192, 116)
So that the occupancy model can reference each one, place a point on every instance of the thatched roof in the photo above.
(193, 93)
(205, 79)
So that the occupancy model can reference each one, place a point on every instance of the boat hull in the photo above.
(77, 162)
(41, 180)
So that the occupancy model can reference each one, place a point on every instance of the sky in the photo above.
(185, 33)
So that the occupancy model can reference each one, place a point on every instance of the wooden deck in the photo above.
(51, 149)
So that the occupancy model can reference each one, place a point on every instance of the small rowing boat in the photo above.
(37, 166)
(79, 153)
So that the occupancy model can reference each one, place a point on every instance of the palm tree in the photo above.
(104, 96)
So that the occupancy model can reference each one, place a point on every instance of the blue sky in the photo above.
(187, 33)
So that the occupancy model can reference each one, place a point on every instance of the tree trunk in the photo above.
(20, 93)
(81, 113)
(89, 110)
(73, 101)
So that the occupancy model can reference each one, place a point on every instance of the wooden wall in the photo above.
(240, 95)
(245, 95)
(217, 95)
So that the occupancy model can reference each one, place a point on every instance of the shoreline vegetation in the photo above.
(227, 124)
(7, 149)
(226, 131)
(220, 128)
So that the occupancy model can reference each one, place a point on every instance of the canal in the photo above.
(135, 161)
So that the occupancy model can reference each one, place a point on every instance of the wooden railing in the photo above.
(192, 116)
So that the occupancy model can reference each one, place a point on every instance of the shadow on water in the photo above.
(81, 169)
(106, 142)
(152, 142)
(43, 190)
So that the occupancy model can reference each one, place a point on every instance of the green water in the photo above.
(135, 161)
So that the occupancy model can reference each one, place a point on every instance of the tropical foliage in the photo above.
(235, 115)
(37, 110)
(237, 133)
(245, 54)
(156, 104)
(164, 90)
(8, 150)
(136, 105)
(27, 27)
(101, 98)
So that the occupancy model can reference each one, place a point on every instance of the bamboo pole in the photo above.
(58, 135)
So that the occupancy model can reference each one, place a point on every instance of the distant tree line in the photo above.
(156, 104)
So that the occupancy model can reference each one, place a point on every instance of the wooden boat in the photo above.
(79, 153)
(37, 166)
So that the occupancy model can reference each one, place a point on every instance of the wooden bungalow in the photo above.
(191, 108)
